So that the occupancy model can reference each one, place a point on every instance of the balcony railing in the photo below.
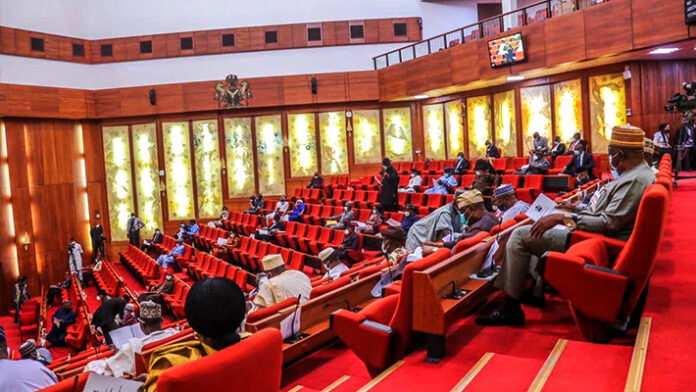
(533, 13)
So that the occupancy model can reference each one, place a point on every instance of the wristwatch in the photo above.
(571, 222)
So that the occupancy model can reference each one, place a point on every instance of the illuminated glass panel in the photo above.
(177, 163)
(240, 161)
(302, 144)
(478, 113)
(433, 120)
(397, 134)
(367, 144)
(567, 101)
(505, 123)
(455, 128)
(206, 150)
(119, 187)
(146, 177)
(607, 108)
(334, 151)
(269, 155)
(536, 113)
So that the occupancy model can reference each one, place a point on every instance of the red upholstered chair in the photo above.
(463, 245)
(382, 333)
(72, 384)
(603, 278)
(271, 310)
(213, 371)
(329, 287)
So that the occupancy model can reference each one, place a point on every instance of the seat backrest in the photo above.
(496, 229)
(297, 261)
(637, 258)
(519, 162)
(301, 230)
(512, 179)
(535, 181)
(210, 372)
(312, 232)
(360, 195)
(349, 195)
(463, 245)
(500, 163)
(325, 235)
(403, 198)
(417, 199)
(328, 287)
(436, 200)
(271, 310)
(563, 160)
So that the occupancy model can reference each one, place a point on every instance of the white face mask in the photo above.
(614, 172)
(346, 231)
(384, 248)
(168, 277)
(413, 174)
(407, 213)
(346, 208)
(478, 172)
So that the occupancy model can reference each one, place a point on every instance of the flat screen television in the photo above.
(506, 50)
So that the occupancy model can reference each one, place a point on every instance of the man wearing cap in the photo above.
(410, 217)
(470, 204)
(436, 225)
(25, 375)
(390, 184)
(506, 202)
(649, 154)
(29, 350)
(348, 215)
(415, 181)
(123, 362)
(282, 283)
(62, 318)
(333, 265)
(169, 258)
(611, 212)
(443, 185)
(394, 251)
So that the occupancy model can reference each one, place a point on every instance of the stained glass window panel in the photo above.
(367, 144)
(146, 177)
(240, 161)
(607, 108)
(433, 120)
(455, 128)
(397, 134)
(119, 187)
(302, 144)
(567, 101)
(177, 163)
(334, 151)
(269, 155)
(206, 149)
(536, 113)
(478, 113)
(505, 123)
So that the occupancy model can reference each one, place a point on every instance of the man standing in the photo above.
(462, 164)
(62, 318)
(169, 258)
(104, 317)
(506, 202)
(611, 212)
(390, 184)
(282, 283)
(133, 229)
(26, 375)
(20, 293)
(97, 236)
(582, 162)
(75, 258)
(541, 143)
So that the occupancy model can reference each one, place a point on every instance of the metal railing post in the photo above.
(374, 62)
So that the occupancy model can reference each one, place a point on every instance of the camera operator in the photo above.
(685, 138)
(75, 257)
(661, 141)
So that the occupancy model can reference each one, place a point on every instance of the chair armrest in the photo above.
(579, 235)
(369, 340)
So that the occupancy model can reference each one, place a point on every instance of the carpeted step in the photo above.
(505, 373)
(350, 384)
(590, 367)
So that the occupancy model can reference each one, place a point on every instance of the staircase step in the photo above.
(590, 367)
(350, 384)
(504, 373)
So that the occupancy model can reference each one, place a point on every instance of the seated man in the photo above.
(581, 162)
(215, 329)
(257, 204)
(435, 226)
(281, 208)
(193, 229)
(297, 212)
(541, 144)
(415, 181)
(23, 375)
(149, 245)
(333, 265)
(508, 206)
(128, 316)
(649, 154)
(558, 148)
(350, 242)
(282, 283)
(445, 184)
(410, 217)
(156, 293)
(317, 182)
(374, 221)
(611, 212)
(223, 251)
(268, 233)
(492, 151)
(123, 362)
(64, 317)
(394, 251)
(462, 164)
(28, 350)
(347, 216)
(178, 250)
(537, 164)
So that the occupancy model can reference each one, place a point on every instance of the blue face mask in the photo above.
(614, 172)
(576, 152)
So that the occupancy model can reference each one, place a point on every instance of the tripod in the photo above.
(684, 143)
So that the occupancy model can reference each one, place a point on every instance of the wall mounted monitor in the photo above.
(506, 50)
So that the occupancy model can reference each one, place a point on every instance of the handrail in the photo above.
(524, 16)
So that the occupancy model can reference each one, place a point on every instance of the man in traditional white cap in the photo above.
(282, 283)
(507, 204)
(332, 263)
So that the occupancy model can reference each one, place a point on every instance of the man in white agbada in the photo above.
(333, 265)
(124, 360)
(75, 257)
(282, 283)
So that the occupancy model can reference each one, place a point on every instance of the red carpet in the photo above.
(11, 332)
(519, 374)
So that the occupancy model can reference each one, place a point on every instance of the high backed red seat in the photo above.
(512, 179)
(603, 278)
(382, 333)
(561, 162)
(213, 371)
(329, 287)
(72, 384)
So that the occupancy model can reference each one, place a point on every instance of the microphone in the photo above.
(343, 302)
(295, 336)
(456, 292)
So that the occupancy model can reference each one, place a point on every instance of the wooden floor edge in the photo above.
(381, 377)
(547, 368)
(473, 372)
(634, 379)
(335, 384)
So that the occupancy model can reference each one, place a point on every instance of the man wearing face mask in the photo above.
(435, 226)
(507, 204)
(96, 234)
(470, 204)
(462, 164)
(390, 184)
(581, 162)
(573, 143)
(415, 181)
(281, 208)
(393, 250)
(410, 217)
(611, 212)
(317, 182)
(484, 181)
(557, 149)
(444, 185)
(157, 293)
(492, 151)
(350, 242)
(149, 245)
(75, 257)
(333, 265)
(541, 143)
(347, 216)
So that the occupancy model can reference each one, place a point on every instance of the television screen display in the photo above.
(506, 50)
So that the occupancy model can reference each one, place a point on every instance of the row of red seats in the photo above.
(208, 236)
(29, 318)
(250, 252)
(307, 194)
(208, 266)
(168, 243)
(310, 238)
(244, 224)
(144, 266)
(107, 281)
(175, 301)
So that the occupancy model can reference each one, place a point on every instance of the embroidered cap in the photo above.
(627, 136)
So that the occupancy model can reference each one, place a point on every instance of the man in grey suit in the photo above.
(540, 143)
(347, 216)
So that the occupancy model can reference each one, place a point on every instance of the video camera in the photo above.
(683, 103)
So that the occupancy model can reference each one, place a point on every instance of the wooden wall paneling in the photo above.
(559, 51)
(297, 89)
(331, 88)
(242, 39)
(170, 98)
(159, 46)
(656, 22)
(257, 38)
(635, 94)
(22, 42)
(65, 50)
(329, 33)
(51, 47)
(440, 73)
(172, 43)
(415, 31)
(484, 66)
(362, 86)
(8, 37)
(198, 96)
(213, 40)
(606, 28)
(284, 36)
(299, 35)
(392, 82)
(341, 33)
(464, 63)
(535, 46)
(416, 76)
(386, 29)
(200, 42)
(267, 91)
(372, 32)
(417, 131)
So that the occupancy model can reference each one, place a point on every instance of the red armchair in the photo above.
(603, 278)
(213, 371)
(382, 333)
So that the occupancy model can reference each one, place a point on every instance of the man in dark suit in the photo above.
(97, 236)
(388, 198)
(462, 164)
(492, 151)
(157, 238)
(581, 162)
(558, 148)
(350, 242)
(685, 138)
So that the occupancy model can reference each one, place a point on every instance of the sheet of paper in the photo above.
(359, 224)
(434, 182)
(541, 207)
(99, 383)
(392, 222)
(121, 335)
(221, 241)
(290, 326)
(489, 262)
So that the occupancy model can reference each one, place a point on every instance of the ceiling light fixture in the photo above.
(421, 96)
(663, 50)
(515, 78)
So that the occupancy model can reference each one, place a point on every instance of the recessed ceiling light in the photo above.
(421, 96)
(515, 78)
(663, 50)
